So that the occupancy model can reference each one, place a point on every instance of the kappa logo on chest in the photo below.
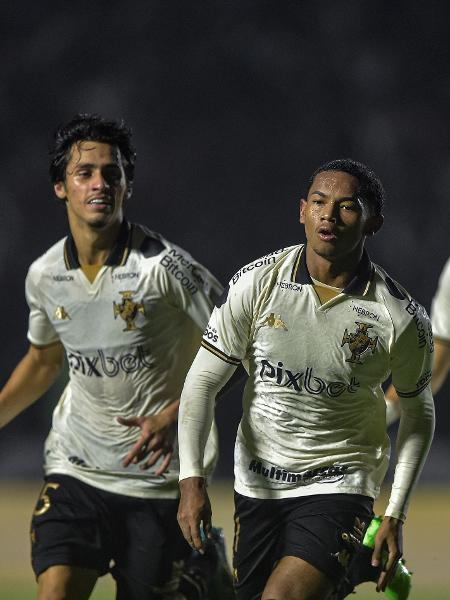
(61, 314)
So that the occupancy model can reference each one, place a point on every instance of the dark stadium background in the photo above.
(232, 104)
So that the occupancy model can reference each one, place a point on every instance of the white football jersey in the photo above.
(313, 408)
(440, 307)
(130, 337)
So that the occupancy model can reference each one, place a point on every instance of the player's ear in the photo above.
(60, 190)
(302, 210)
(373, 224)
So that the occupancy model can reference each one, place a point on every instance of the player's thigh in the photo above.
(255, 542)
(325, 531)
(295, 579)
(148, 548)
(69, 527)
(63, 582)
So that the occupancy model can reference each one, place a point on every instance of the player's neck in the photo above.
(332, 272)
(94, 245)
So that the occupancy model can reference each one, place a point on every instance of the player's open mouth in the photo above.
(100, 202)
(326, 234)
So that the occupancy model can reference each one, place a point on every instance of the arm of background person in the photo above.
(441, 364)
(31, 378)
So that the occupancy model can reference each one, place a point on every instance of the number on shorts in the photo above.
(45, 499)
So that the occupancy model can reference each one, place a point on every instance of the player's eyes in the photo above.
(112, 174)
(352, 206)
(84, 173)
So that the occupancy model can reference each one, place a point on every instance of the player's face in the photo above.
(95, 185)
(336, 220)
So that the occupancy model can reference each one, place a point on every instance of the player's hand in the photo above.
(194, 512)
(156, 440)
(388, 550)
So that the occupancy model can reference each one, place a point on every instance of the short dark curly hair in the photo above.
(370, 186)
(95, 128)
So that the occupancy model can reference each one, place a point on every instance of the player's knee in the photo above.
(52, 589)
(66, 583)
(296, 579)
(295, 591)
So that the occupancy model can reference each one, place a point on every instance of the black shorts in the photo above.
(138, 540)
(324, 530)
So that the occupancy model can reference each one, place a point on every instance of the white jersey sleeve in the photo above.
(412, 353)
(40, 330)
(411, 360)
(188, 285)
(233, 319)
(207, 375)
(440, 306)
(413, 442)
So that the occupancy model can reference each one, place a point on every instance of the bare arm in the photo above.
(32, 377)
(441, 364)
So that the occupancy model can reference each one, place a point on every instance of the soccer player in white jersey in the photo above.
(128, 309)
(319, 328)
(440, 318)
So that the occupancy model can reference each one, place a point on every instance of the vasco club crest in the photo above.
(359, 342)
(128, 310)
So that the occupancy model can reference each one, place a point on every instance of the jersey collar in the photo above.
(117, 257)
(357, 286)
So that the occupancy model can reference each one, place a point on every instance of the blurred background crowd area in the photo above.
(232, 105)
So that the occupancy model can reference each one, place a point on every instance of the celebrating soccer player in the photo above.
(127, 308)
(319, 328)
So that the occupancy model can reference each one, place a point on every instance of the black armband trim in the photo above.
(414, 392)
(228, 359)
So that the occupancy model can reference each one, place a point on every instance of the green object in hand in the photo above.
(400, 585)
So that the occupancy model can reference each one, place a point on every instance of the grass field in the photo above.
(426, 542)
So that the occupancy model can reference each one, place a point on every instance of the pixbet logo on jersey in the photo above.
(305, 380)
(100, 364)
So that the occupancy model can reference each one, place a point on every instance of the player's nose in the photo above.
(329, 212)
(99, 182)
